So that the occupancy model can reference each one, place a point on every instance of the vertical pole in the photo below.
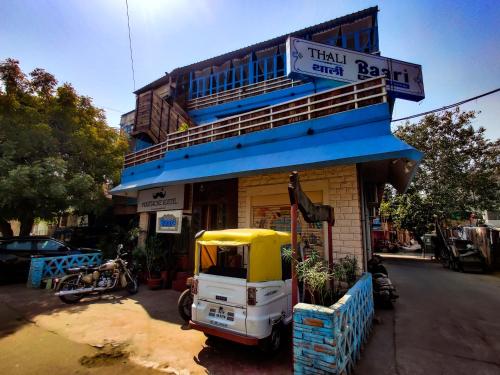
(190, 93)
(330, 251)
(295, 291)
(251, 70)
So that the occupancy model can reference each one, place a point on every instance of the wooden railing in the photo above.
(156, 117)
(242, 92)
(318, 105)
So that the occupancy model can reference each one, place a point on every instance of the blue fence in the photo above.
(328, 340)
(50, 267)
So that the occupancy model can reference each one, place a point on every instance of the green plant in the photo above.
(314, 273)
(345, 271)
(154, 255)
(139, 257)
(183, 127)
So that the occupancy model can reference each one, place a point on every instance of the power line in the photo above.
(447, 106)
(130, 45)
(111, 109)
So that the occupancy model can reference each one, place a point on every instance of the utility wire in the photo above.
(130, 45)
(111, 109)
(447, 106)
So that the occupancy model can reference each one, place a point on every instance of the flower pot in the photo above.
(154, 283)
(183, 262)
(143, 277)
(164, 279)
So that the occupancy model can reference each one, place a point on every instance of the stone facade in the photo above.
(336, 186)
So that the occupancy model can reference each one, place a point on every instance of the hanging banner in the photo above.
(404, 80)
(169, 221)
(160, 199)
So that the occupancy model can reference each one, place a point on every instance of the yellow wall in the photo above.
(336, 186)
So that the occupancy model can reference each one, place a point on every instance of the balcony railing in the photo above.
(314, 106)
(242, 92)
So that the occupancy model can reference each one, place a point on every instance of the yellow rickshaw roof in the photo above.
(241, 236)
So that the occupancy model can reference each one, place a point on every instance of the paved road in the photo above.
(445, 322)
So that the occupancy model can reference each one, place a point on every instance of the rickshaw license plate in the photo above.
(221, 314)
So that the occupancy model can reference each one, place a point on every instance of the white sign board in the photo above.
(404, 80)
(160, 199)
(169, 221)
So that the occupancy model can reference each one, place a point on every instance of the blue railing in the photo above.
(327, 340)
(256, 70)
(50, 267)
(269, 67)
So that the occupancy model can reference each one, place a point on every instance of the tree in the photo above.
(56, 150)
(458, 175)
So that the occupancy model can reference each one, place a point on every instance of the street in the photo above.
(115, 333)
(444, 322)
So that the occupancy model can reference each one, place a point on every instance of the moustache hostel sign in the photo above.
(404, 80)
(159, 199)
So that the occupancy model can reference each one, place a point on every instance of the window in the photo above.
(230, 261)
(49, 245)
(18, 245)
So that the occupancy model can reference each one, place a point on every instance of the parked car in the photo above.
(242, 288)
(16, 253)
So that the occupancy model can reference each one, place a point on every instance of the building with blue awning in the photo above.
(215, 141)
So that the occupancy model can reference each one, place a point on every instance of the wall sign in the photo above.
(160, 199)
(404, 80)
(169, 221)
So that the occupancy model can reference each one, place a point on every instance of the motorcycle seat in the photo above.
(80, 269)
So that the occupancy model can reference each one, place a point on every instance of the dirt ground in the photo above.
(115, 333)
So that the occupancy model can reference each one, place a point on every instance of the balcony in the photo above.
(242, 92)
(156, 117)
(325, 103)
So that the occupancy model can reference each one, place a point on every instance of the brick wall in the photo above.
(328, 340)
(340, 189)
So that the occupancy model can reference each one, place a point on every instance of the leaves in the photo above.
(56, 150)
(458, 175)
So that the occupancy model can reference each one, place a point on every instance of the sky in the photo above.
(85, 42)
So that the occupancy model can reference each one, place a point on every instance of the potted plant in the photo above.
(153, 252)
(313, 272)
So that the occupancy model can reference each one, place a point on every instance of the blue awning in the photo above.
(351, 137)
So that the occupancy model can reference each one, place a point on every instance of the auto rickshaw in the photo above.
(242, 286)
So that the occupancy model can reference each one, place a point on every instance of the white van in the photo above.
(242, 288)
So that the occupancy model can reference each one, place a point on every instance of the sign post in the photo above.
(161, 199)
(303, 57)
(169, 221)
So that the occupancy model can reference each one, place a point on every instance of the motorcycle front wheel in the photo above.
(71, 283)
(132, 285)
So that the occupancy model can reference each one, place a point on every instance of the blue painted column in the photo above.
(251, 70)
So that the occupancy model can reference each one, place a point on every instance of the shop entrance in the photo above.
(215, 205)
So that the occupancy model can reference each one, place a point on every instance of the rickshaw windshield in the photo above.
(222, 260)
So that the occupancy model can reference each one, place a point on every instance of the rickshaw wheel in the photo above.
(272, 343)
(184, 305)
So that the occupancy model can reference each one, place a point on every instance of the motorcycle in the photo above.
(83, 281)
(384, 291)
